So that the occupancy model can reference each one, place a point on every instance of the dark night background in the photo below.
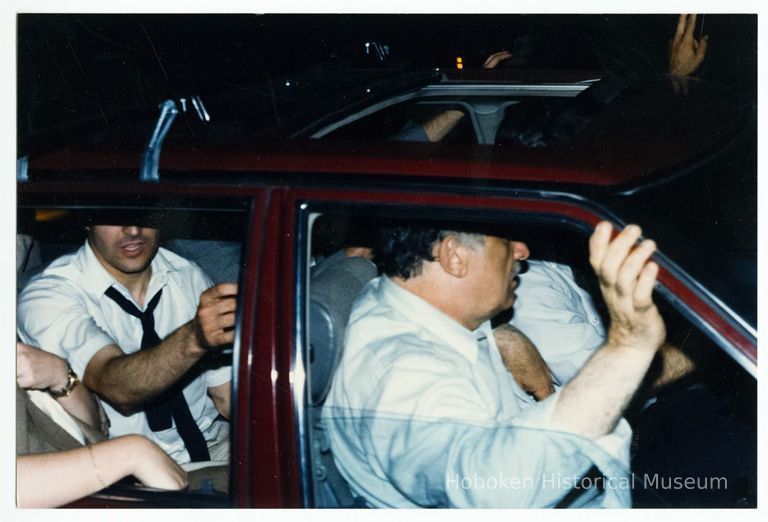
(84, 74)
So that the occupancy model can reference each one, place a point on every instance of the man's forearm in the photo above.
(128, 381)
(442, 124)
(47, 480)
(222, 398)
(593, 402)
(82, 404)
(674, 364)
(523, 361)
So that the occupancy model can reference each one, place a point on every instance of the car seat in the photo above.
(220, 260)
(334, 285)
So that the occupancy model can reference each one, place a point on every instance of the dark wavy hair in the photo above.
(401, 250)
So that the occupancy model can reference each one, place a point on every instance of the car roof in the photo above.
(648, 132)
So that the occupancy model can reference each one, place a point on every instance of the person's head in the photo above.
(470, 276)
(123, 250)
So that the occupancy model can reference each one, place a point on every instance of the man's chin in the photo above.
(504, 313)
(136, 264)
(135, 267)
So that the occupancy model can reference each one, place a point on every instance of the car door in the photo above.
(220, 229)
(555, 224)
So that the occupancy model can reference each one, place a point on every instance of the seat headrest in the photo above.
(334, 285)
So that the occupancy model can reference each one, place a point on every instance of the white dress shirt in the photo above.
(64, 310)
(558, 316)
(418, 416)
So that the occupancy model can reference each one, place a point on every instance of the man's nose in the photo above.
(131, 231)
(520, 251)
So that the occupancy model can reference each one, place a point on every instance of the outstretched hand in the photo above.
(627, 277)
(686, 52)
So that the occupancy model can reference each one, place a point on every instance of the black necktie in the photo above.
(172, 403)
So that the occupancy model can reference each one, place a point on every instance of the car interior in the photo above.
(713, 407)
(210, 237)
(720, 396)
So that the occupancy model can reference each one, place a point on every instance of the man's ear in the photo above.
(452, 256)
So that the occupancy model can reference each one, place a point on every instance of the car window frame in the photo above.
(574, 213)
(109, 197)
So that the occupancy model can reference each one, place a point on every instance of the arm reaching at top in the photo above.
(686, 52)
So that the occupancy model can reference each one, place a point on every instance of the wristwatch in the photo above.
(72, 381)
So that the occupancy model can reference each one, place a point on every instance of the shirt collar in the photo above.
(450, 331)
(95, 278)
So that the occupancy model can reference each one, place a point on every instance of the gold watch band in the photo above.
(72, 381)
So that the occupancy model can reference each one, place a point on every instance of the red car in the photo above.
(681, 166)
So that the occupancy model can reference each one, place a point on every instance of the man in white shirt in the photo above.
(560, 320)
(422, 411)
(137, 322)
(558, 316)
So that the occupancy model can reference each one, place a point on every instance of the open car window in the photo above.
(209, 236)
(336, 278)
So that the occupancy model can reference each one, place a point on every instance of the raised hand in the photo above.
(627, 277)
(686, 52)
(592, 403)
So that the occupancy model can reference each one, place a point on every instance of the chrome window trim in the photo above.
(299, 356)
